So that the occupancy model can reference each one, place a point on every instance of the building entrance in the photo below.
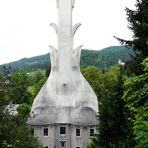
(62, 144)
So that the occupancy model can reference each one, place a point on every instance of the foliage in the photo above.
(136, 94)
(37, 75)
(138, 24)
(38, 86)
(138, 20)
(14, 132)
(4, 90)
(136, 86)
(92, 72)
(112, 128)
(24, 110)
(19, 88)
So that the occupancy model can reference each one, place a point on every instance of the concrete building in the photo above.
(63, 114)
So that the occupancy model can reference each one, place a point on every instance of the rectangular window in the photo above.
(77, 147)
(45, 131)
(45, 146)
(78, 132)
(92, 132)
(32, 131)
(62, 130)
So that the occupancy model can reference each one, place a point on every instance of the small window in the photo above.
(77, 147)
(62, 130)
(92, 132)
(45, 146)
(62, 144)
(78, 132)
(45, 131)
(32, 131)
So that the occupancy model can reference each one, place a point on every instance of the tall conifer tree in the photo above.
(138, 24)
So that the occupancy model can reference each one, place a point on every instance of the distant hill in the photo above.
(106, 57)
(98, 58)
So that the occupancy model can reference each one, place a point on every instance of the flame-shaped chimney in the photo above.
(66, 98)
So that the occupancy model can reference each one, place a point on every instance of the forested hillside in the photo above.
(122, 92)
(99, 58)
(106, 57)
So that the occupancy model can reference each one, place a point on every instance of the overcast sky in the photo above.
(25, 30)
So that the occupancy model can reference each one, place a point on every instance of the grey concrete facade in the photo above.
(70, 139)
(66, 98)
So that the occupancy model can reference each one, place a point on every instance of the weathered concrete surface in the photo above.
(66, 98)
(66, 93)
(72, 141)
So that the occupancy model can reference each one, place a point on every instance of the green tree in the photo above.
(37, 86)
(38, 75)
(138, 24)
(112, 127)
(23, 111)
(136, 86)
(94, 77)
(136, 94)
(20, 82)
(14, 132)
(5, 89)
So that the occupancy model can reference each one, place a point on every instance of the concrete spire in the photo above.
(66, 90)
(65, 31)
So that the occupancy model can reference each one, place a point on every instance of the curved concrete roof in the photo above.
(83, 116)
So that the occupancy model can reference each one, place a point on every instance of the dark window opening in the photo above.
(91, 132)
(45, 131)
(32, 131)
(45, 147)
(78, 132)
(63, 144)
(62, 130)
